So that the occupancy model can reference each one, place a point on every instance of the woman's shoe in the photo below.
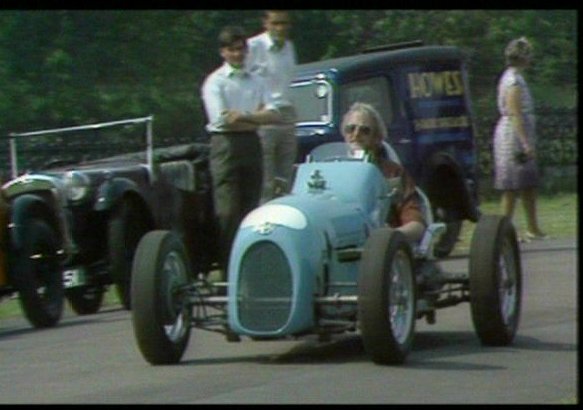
(536, 236)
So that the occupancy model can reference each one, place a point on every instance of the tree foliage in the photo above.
(69, 67)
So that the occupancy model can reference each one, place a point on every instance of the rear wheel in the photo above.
(37, 275)
(125, 231)
(86, 300)
(495, 280)
(386, 297)
(161, 313)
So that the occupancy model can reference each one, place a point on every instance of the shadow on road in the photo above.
(21, 331)
(531, 343)
(21, 327)
(431, 350)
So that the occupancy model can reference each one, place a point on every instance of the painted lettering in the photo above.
(434, 84)
(443, 122)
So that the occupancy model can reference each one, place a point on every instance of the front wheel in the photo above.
(161, 314)
(386, 297)
(495, 280)
(37, 274)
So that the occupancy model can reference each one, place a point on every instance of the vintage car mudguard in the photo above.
(112, 190)
(23, 207)
(333, 207)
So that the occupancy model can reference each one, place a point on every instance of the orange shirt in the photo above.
(408, 208)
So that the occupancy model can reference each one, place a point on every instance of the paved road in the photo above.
(94, 359)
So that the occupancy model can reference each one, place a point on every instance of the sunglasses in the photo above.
(365, 129)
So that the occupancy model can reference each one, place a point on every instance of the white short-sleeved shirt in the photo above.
(277, 66)
(228, 88)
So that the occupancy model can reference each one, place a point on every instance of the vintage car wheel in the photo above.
(86, 300)
(37, 275)
(495, 280)
(386, 297)
(161, 313)
(126, 228)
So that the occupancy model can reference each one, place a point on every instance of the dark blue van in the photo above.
(422, 94)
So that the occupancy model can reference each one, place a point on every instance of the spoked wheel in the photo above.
(161, 314)
(495, 280)
(37, 274)
(386, 297)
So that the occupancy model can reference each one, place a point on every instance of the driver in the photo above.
(364, 130)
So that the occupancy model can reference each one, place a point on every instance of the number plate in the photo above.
(73, 277)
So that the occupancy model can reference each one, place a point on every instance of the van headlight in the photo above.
(76, 185)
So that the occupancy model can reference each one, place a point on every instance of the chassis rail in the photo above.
(209, 308)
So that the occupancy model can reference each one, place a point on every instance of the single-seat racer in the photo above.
(322, 260)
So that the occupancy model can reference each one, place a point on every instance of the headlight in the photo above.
(321, 91)
(76, 185)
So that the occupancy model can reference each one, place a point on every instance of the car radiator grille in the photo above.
(264, 288)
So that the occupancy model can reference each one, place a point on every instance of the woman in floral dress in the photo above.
(516, 170)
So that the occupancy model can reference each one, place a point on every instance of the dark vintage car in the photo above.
(422, 93)
(99, 208)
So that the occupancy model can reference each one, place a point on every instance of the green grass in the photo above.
(557, 217)
(571, 400)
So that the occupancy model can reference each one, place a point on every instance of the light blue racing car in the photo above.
(321, 260)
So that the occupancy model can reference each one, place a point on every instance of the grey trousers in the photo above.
(237, 174)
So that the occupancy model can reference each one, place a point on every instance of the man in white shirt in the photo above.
(236, 104)
(272, 55)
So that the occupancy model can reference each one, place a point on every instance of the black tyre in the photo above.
(37, 274)
(450, 237)
(126, 228)
(495, 280)
(161, 313)
(86, 300)
(386, 297)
